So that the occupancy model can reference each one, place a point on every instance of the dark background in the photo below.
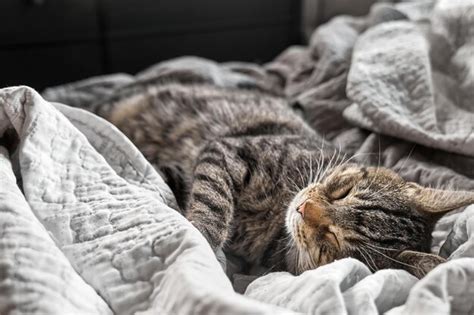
(48, 42)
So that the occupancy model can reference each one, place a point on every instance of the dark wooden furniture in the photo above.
(48, 42)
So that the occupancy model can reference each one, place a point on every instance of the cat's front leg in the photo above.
(216, 180)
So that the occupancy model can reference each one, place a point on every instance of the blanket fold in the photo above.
(94, 233)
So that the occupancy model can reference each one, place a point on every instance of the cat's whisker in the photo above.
(312, 262)
(322, 168)
(379, 155)
(299, 259)
(402, 166)
(338, 161)
(320, 164)
(294, 192)
(326, 168)
(371, 264)
(393, 259)
(293, 182)
(407, 158)
(315, 172)
(288, 237)
(287, 241)
(366, 260)
(301, 176)
(330, 165)
(372, 181)
(380, 247)
(318, 167)
(289, 244)
(296, 188)
(341, 157)
(357, 155)
(310, 170)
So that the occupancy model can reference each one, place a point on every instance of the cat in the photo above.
(256, 180)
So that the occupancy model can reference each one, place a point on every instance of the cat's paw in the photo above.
(211, 235)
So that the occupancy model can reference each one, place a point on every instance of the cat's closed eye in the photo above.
(341, 192)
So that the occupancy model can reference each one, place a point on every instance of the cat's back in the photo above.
(183, 115)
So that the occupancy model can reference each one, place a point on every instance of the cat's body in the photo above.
(267, 150)
(253, 177)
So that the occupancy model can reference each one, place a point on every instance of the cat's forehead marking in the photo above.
(384, 173)
(353, 170)
(347, 171)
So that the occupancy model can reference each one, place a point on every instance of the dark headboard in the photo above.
(49, 42)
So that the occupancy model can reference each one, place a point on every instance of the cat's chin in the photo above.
(301, 256)
(299, 260)
(291, 260)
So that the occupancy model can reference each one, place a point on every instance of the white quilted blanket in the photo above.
(92, 231)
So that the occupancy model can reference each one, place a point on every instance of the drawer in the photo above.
(47, 65)
(23, 22)
(257, 45)
(138, 17)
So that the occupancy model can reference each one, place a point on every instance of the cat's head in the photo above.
(368, 213)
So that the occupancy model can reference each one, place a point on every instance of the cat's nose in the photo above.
(301, 208)
(314, 212)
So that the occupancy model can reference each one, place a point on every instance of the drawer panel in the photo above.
(54, 20)
(130, 17)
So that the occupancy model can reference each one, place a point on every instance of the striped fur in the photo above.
(242, 163)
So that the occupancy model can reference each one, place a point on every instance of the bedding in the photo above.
(93, 229)
(395, 88)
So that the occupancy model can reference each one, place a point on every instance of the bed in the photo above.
(92, 227)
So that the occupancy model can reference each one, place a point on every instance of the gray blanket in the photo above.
(395, 87)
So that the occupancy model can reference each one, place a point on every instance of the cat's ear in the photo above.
(437, 201)
(418, 263)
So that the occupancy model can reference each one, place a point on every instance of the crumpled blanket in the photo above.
(92, 230)
(395, 88)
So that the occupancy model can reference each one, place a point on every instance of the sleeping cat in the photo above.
(255, 179)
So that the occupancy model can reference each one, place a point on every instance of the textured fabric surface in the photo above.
(35, 275)
(93, 231)
(394, 88)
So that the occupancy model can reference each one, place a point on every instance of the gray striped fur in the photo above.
(239, 161)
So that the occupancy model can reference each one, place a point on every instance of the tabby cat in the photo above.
(255, 179)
